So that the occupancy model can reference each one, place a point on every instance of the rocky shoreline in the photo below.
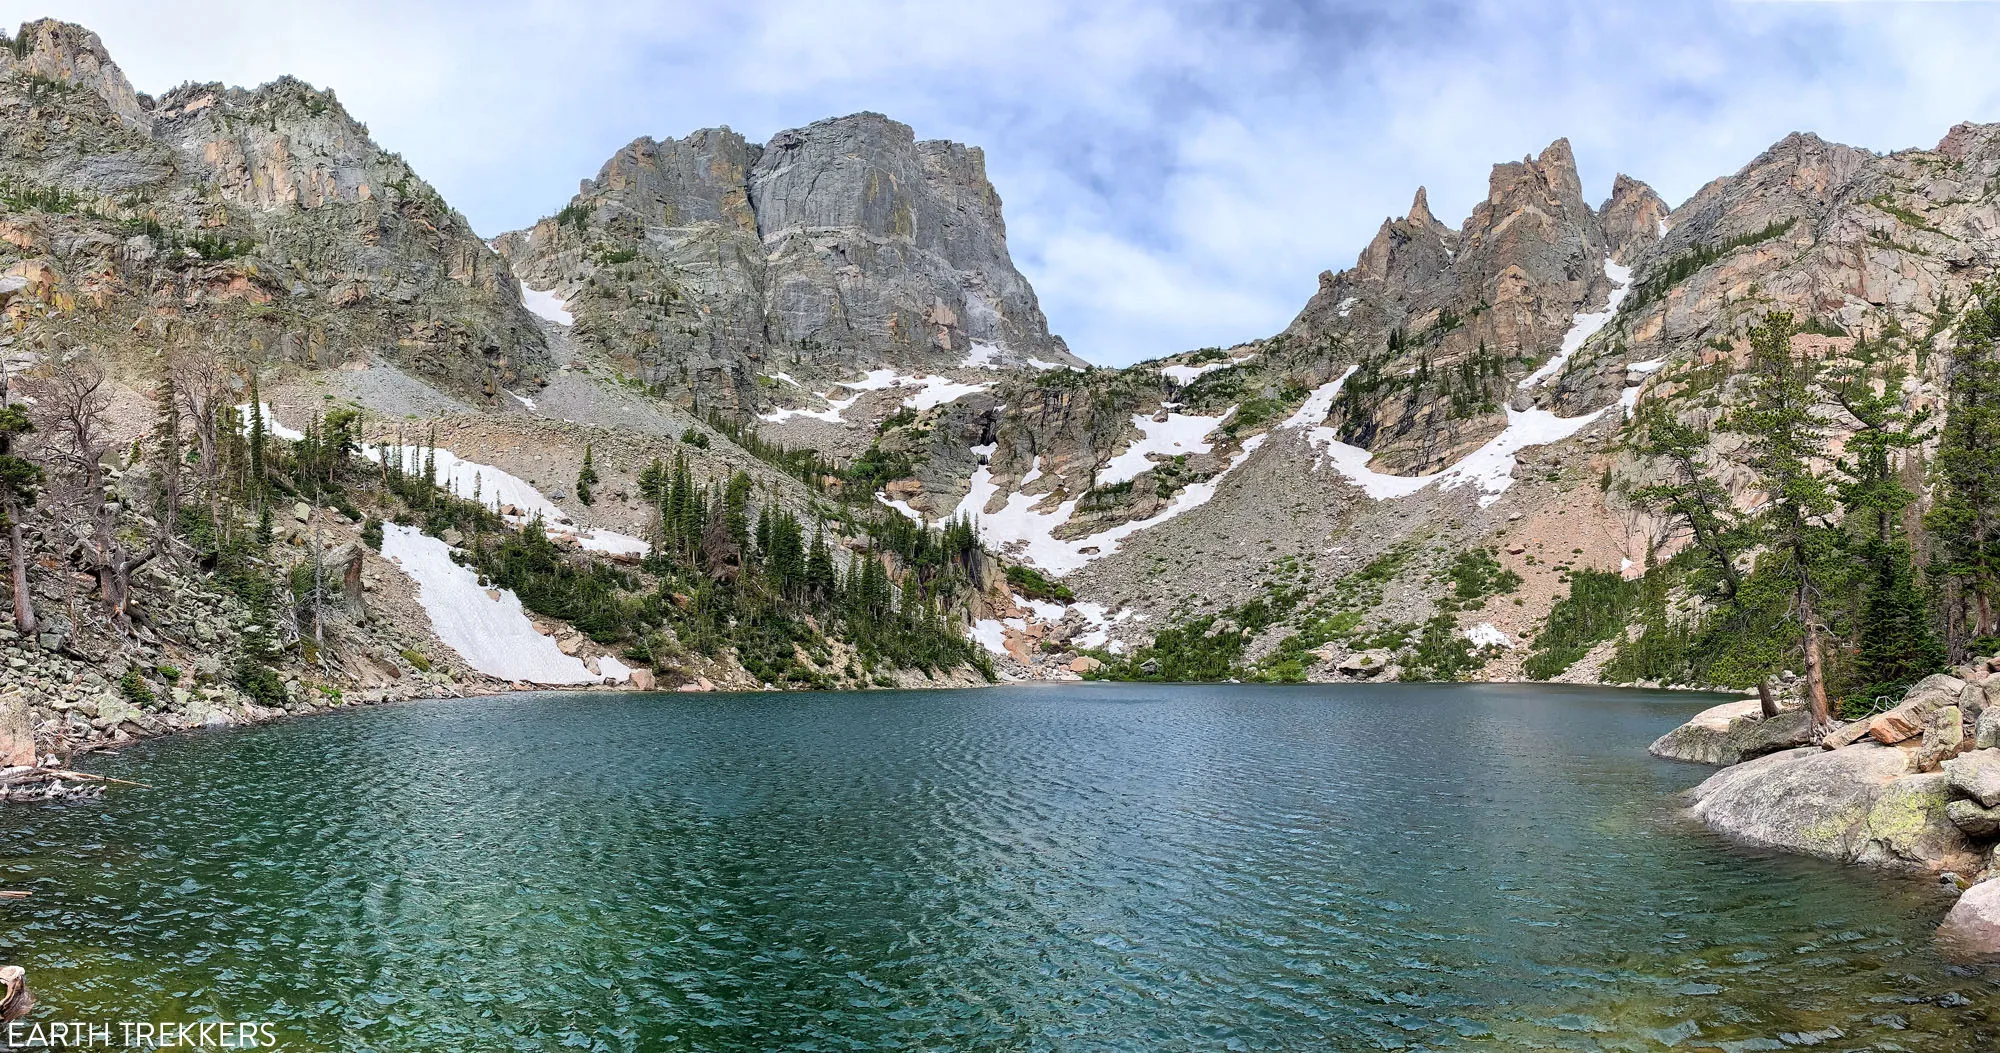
(1915, 788)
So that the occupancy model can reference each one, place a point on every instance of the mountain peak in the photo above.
(70, 53)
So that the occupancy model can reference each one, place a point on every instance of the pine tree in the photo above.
(1964, 519)
(256, 440)
(1897, 643)
(1784, 439)
(586, 476)
(821, 581)
(1692, 499)
(167, 445)
(20, 482)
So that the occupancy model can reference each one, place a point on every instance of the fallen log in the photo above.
(10, 894)
(15, 998)
(46, 774)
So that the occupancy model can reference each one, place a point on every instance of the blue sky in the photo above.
(1176, 175)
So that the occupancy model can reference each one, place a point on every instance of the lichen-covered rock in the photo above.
(1986, 734)
(1979, 823)
(1977, 775)
(1855, 805)
(1734, 732)
(1908, 824)
(1972, 929)
(1944, 734)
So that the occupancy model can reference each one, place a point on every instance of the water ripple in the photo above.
(1087, 868)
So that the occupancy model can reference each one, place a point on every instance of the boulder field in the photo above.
(1915, 787)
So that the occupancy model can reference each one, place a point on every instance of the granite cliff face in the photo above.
(705, 262)
(847, 289)
(262, 220)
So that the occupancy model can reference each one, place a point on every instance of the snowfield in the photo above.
(463, 478)
(613, 543)
(1185, 375)
(1586, 325)
(490, 630)
(1019, 530)
(1490, 467)
(931, 392)
(547, 305)
(1178, 434)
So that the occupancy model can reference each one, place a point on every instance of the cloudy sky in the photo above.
(1176, 174)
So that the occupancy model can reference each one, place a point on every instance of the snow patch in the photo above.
(1490, 467)
(522, 399)
(991, 634)
(785, 377)
(1319, 403)
(612, 542)
(901, 506)
(271, 425)
(1185, 375)
(1628, 399)
(489, 630)
(1586, 324)
(1647, 367)
(613, 671)
(465, 478)
(1178, 434)
(1347, 305)
(547, 304)
(1025, 532)
(932, 391)
(982, 356)
(1485, 635)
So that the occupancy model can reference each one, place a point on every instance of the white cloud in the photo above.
(1176, 175)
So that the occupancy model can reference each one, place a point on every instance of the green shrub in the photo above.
(133, 685)
(1594, 611)
(1035, 585)
(416, 660)
(260, 682)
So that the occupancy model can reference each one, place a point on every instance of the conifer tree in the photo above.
(586, 477)
(1964, 519)
(1784, 440)
(20, 482)
(1897, 644)
(167, 444)
(256, 440)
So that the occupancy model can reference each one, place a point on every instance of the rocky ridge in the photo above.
(737, 274)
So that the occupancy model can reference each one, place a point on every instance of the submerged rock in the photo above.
(1734, 732)
(1855, 805)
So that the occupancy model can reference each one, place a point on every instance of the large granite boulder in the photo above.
(1976, 775)
(1972, 929)
(1734, 732)
(1855, 805)
(1912, 715)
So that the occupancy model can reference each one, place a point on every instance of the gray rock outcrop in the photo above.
(1734, 732)
(847, 244)
(1860, 804)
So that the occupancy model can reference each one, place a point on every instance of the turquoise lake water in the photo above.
(1055, 867)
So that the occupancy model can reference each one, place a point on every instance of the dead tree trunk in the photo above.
(15, 998)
